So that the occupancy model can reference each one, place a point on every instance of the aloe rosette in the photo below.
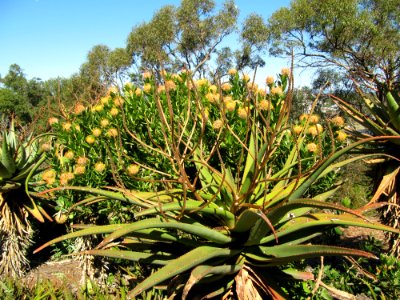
(382, 119)
(234, 224)
(19, 160)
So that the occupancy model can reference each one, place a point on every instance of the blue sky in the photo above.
(51, 38)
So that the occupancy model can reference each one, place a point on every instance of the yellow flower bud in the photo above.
(147, 88)
(270, 80)
(99, 167)
(232, 72)
(132, 170)
(90, 139)
(217, 125)
(312, 147)
(52, 121)
(96, 132)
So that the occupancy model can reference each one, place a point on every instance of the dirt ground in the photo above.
(64, 273)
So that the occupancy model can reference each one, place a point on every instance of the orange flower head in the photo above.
(226, 87)
(132, 169)
(114, 111)
(230, 105)
(285, 72)
(138, 92)
(82, 160)
(69, 155)
(96, 132)
(112, 132)
(79, 108)
(104, 123)
(170, 85)
(99, 167)
(341, 136)
(270, 80)
(276, 90)
(337, 121)
(314, 119)
(297, 129)
(243, 112)
(146, 75)
(217, 125)
(79, 169)
(66, 177)
(312, 147)
(90, 139)
(147, 88)
(213, 88)
(52, 121)
(67, 126)
(265, 105)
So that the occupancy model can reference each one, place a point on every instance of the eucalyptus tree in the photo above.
(359, 37)
(189, 35)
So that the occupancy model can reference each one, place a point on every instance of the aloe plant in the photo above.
(382, 119)
(236, 223)
(19, 159)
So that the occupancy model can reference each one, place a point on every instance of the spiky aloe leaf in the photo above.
(195, 229)
(149, 258)
(206, 178)
(182, 264)
(248, 172)
(102, 229)
(191, 205)
(152, 234)
(277, 255)
(317, 173)
(394, 110)
(7, 159)
(141, 199)
(202, 271)
(300, 275)
(246, 220)
(4, 172)
(364, 120)
(311, 223)
(298, 207)
(31, 206)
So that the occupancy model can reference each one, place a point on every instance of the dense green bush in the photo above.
(218, 186)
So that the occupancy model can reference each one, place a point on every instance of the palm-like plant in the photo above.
(382, 119)
(19, 158)
(235, 223)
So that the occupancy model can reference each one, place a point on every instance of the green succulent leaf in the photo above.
(143, 257)
(299, 207)
(195, 229)
(287, 253)
(191, 206)
(7, 159)
(394, 110)
(312, 223)
(91, 230)
(182, 264)
(202, 271)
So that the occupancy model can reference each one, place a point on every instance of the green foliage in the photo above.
(217, 178)
(191, 34)
(360, 37)
(378, 280)
(195, 24)
(11, 289)
(18, 96)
